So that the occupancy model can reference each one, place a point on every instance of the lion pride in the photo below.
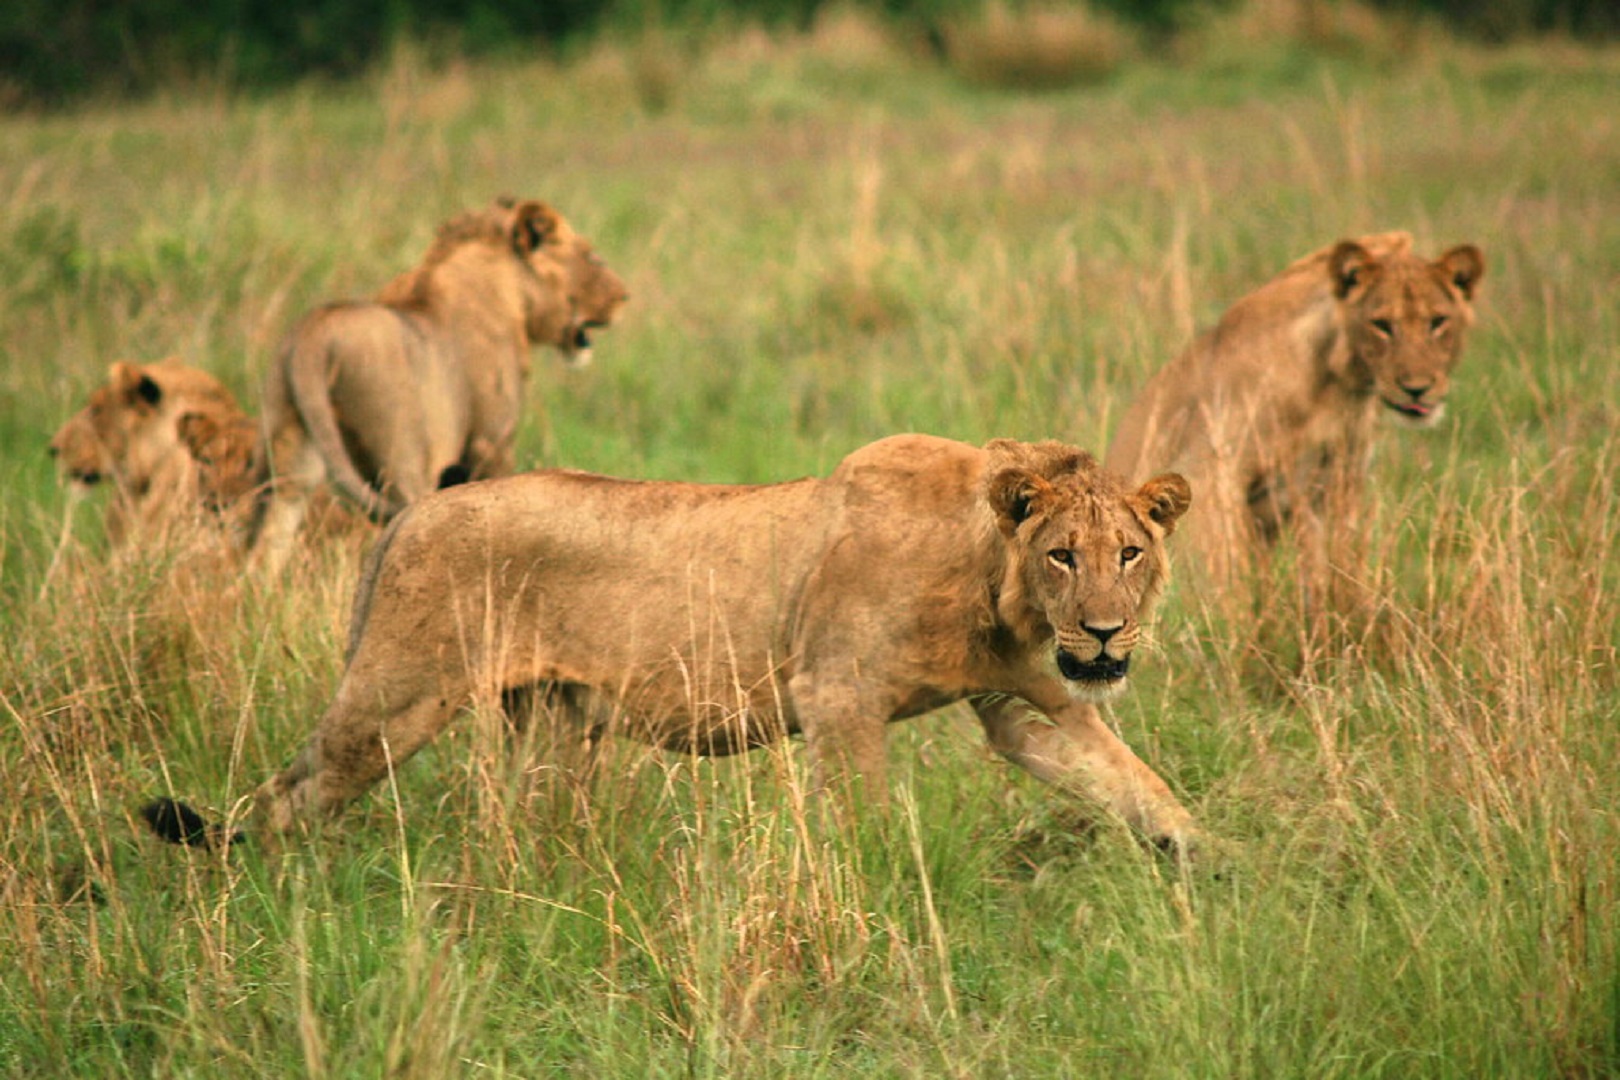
(1270, 414)
(713, 619)
(422, 387)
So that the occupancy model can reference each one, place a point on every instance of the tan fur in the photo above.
(168, 439)
(1270, 413)
(423, 386)
(714, 619)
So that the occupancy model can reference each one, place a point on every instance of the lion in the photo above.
(170, 440)
(1270, 414)
(178, 451)
(712, 619)
(422, 387)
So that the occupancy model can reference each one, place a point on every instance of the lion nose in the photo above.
(1415, 390)
(1102, 633)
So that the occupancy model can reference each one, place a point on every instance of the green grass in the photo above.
(828, 240)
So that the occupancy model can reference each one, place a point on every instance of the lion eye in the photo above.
(1062, 557)
(1437, 324)
(1384, 327)
(1130, 555)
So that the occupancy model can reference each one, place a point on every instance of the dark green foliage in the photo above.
(1504, 19)
(54, 52)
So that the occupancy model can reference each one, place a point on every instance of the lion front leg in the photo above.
(296, 471)
(843, 732)
(485, 458)
(1072, 748)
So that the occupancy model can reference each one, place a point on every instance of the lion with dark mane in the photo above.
(712, 619)
(422, 387)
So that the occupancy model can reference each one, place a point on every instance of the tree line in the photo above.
(57, 51)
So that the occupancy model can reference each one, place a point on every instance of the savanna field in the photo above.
(830, 237)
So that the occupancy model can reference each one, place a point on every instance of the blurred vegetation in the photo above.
(54, 52)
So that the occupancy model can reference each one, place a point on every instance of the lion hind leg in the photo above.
(844, 732)
(351, 750)
(1074, 749)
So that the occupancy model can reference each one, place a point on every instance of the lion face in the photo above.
(82, 452)
(1089, 559)
(1405, 319)
(575, 291)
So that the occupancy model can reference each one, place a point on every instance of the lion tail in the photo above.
(307, 365)
(174, 821)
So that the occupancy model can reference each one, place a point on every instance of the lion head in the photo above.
(131, 425)
(224, 446)
(565, 290)
(1404, 319)
(573, 292)
(1087, 555)
(162, 435)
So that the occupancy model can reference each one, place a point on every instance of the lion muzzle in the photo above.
(1097, 657)
(1417, 412)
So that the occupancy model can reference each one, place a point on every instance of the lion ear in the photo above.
(133, 384)
(1349, 266)
(1166, 498)
(1463, 266)
(1016, 495)
(533, 223)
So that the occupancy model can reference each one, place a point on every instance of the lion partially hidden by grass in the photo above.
(1270, 414)
(713, 619)
(172, 443)
(422, 387)
(179, 453)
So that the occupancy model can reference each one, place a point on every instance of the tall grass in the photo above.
(828, 240)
